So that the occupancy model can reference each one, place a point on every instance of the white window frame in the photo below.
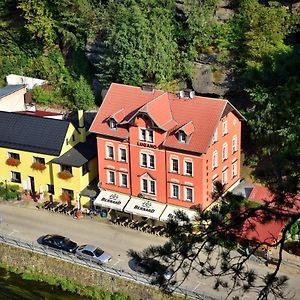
(225, 176)
(107, 152)
(113, 124)
(185, 193)
(215, 159)
(172, 191)
(108, 176)
(182, 137)
(148, 185)
(225, 127)
(120, 179)
(224, 151)
(234, 144)
(234, 169)
(215, 136)
(12, 177)
(148, 159)
(172, 165)
(147, 135)
(185, 168)
(120, 154)
(213, 188)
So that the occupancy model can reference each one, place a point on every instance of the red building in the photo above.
(164, 147)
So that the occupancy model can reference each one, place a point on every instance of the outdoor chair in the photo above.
(46, 204)
(57, 207)
(53, 205)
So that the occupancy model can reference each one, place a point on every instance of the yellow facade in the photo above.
(49, 176)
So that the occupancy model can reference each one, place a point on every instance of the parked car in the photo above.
(59, 242)
(150, 266)
(93, 253)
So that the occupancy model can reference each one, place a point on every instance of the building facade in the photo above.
(45, 155)
(164, 147)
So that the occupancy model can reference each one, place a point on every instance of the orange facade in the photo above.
(138, 161)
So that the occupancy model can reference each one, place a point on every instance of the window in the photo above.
(146, 135)
(151, 161)
(66, 168)
(67, 141)
(14, 155)
(111, 177)
(110, 152)
(234, 144)
(147, 160)
(142, 134)
(50, 188)
(122, 155)
(148, 186)
(15, 177)
(85, 168)
(144, 185)
(182, 137)
(215, 136)
(123, 179)
(188, 194)
(69, 192)
(175, 191)
(143, 159)
(224, 152)
(215, 159)
(188, 168)
(214, 188)
(113, 124)
(150, 136)
(73, 137)
(234, 169)
(224, 128)
(224, 177)
(174, 165)
(39, 160)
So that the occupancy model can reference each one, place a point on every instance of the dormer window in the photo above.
(112, 124)
(182, 137)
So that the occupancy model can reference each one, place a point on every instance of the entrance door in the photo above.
(32, 186)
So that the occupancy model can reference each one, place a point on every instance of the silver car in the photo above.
(93, 253)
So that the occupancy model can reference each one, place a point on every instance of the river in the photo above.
(13, 287)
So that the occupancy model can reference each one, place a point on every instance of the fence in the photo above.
(69, 257)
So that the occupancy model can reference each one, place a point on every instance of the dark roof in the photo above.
(79, 154)
(31, 133)
(9, 89)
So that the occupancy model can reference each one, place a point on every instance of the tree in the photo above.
(83, 96)
(139, 43)
(38, 20)
(205, 247)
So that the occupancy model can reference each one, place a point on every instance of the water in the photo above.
(13, 287)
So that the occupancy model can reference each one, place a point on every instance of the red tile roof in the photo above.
(256, 228)
(167, 111)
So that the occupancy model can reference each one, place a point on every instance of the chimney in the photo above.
(187, 94)
(148, 87)
(81, 128)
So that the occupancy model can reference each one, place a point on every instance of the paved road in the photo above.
(22, 220)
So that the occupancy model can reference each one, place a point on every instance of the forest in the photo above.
(81, 46)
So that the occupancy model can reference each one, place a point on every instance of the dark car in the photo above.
(150, 266)
(59, 242)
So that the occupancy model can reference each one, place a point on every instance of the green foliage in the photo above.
(38, 20)
(9, 192)
(82, 94)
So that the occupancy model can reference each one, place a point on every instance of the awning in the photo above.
(111, 199)
(169, 212)
(145, 208)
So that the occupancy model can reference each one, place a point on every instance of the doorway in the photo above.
(32, 185)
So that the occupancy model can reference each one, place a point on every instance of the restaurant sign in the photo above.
(113, 198)
(145, 206)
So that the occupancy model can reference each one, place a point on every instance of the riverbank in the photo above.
(74, 278)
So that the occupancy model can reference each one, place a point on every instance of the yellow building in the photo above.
(52, 157)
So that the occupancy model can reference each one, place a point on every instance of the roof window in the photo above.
(112, 124)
